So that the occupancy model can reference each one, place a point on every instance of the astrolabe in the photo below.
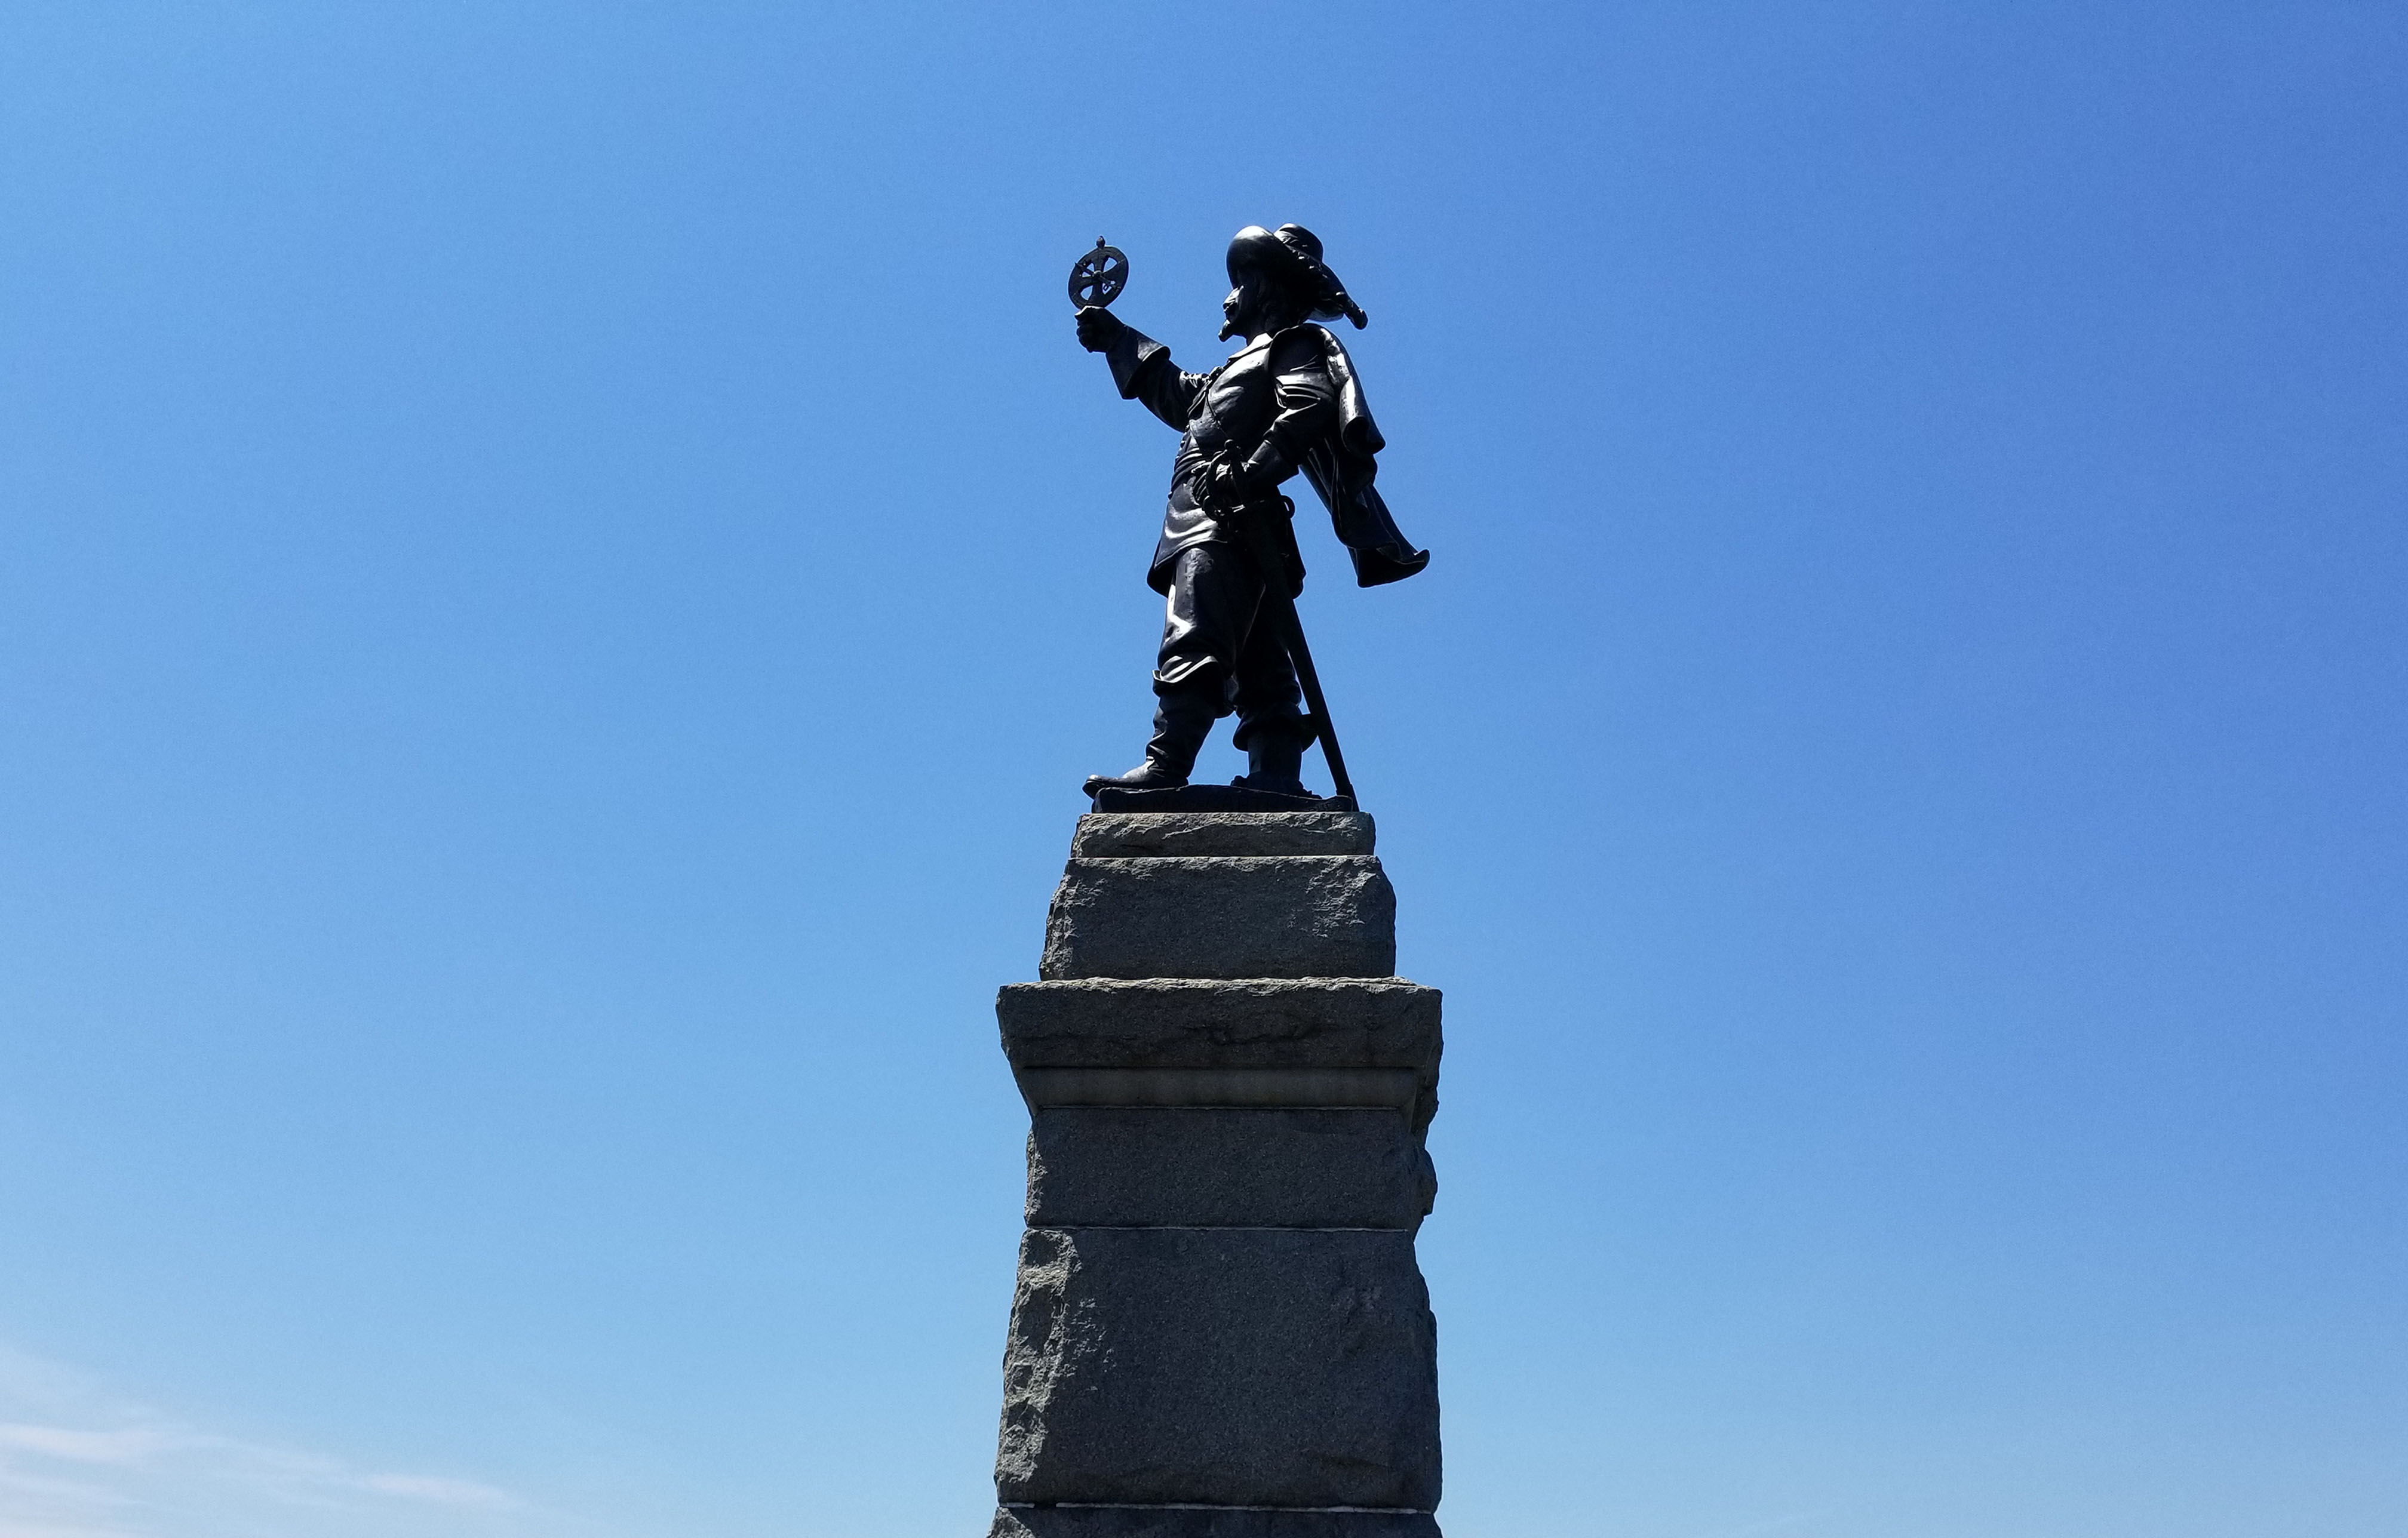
(1098, 276)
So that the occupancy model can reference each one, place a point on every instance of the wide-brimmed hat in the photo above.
(1291, 254)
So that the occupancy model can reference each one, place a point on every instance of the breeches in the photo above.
(1220, 638)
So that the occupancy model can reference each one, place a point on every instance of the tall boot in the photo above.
(1275, 755)
(1181, 720)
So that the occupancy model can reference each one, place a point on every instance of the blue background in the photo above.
(562, 569)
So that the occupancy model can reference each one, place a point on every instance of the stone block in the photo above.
(1170, 1365)
(1195, 1022)
(1144, 1167)
(1249, 1089)
(1200, 1042)
(1143, 835)
(1206, 1522)
(1285, 916)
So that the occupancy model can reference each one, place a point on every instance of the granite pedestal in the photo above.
(1219, 1329)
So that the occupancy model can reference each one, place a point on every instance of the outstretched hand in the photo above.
(1099, 328)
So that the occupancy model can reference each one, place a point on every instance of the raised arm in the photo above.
(1141, 366)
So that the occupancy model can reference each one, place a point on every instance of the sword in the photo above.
(1271, 561)
(1301, 655)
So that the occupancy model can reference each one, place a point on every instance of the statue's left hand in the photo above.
(1228, 483)
(1099, 328)
(1220, 487)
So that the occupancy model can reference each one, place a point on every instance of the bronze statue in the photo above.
(1227, 560)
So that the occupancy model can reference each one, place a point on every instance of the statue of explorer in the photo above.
(1284, 401)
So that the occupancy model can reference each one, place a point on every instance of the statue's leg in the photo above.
(1273, 727)
(1213, 595)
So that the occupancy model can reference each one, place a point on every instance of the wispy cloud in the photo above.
(78, 1462)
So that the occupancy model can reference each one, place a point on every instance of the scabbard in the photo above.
(1270, 563)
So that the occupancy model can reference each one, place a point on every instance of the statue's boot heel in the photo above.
(1275, 757)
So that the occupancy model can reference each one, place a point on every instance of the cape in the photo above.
(1341, 467)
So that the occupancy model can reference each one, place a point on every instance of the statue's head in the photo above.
(1277, 278)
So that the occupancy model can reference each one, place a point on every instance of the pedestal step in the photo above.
(1206, 1522)
(1274, 916)
(1148, 835)
(1307, 1041)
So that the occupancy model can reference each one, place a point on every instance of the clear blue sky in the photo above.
(562, 569)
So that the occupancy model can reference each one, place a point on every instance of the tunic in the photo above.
(1271, 403)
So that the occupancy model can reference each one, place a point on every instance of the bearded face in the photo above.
(1257, 305)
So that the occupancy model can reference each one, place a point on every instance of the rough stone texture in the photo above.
(1195, 1022)
(1287, 916)
(1253, 1088)
(1206, 1522)
(1220, 1366)
(1219, 1329)
(1227, 1168)
(1249, 1027)
(1141, 835)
